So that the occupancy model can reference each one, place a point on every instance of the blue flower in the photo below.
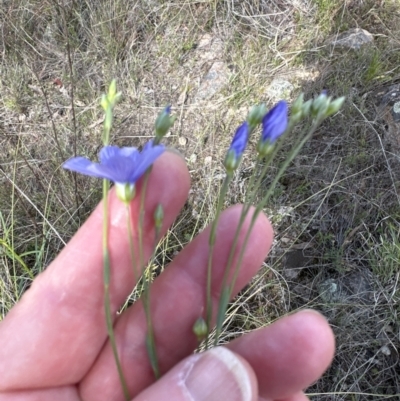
(237, 147)
(239, 141)
(123, 166)
(274, 123)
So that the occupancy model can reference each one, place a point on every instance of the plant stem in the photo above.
(107, 298)
(150, 339)
(211, 242)
(228, 290)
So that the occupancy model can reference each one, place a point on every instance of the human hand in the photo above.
(54, 343)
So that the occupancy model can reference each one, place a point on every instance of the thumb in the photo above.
(214, 375)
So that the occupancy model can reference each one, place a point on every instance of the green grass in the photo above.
(339, 197)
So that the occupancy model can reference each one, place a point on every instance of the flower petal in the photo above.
(120, 165)
(275, 122)
(239, 141)
(128, 151)
(108, 152)
(83, 166)
(146, 158)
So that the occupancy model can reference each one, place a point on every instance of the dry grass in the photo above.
(336, 210)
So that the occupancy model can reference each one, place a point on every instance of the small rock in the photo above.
(353, 38)
(193, 158)
(279, 88)
(208, 160)
(205, 41)
(385, 350)
(294, 262)
(210, 48)
(329, 291)
(215, 79)
(182, 141)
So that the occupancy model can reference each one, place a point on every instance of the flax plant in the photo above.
(275, 125)
(125, 166)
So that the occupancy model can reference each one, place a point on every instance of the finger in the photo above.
(68, 393)
(288, 355)
(210, 376)
(60, 320)
(178, 299)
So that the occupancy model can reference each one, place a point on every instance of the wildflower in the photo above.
(274, 125)
(237, 148)
(123, 166)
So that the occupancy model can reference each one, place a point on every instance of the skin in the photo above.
(54, 341)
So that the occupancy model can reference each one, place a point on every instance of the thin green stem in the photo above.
(211, 243)
(267, 162)
(131, 246)
(150, 338)
(107, 298)
(295, 151)
(228, 290)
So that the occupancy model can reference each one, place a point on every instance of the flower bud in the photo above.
(238, 145)
(320, 105)
(164, 122)
(274, 124)
(306, 108)
(158, 216)
(335, 106)
(104, 102)
(112, 89)
(231, 162)
(200, 329)
(297, 105)
(256, 115)
(264, 148)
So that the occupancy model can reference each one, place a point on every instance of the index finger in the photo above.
(54, 334)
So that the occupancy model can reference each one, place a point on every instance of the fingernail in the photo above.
(216, 375)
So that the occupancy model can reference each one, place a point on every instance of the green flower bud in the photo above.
(295, 118)
(109, 100)
(306, 108)
(112, 89)
(320, 105)
(164, 122)
(256, 114)
(231, 161)
(105, 104)
(297, 106)
(158, 216)
(200, 329)
(335, 106)
(264, 148)
(125, 191)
